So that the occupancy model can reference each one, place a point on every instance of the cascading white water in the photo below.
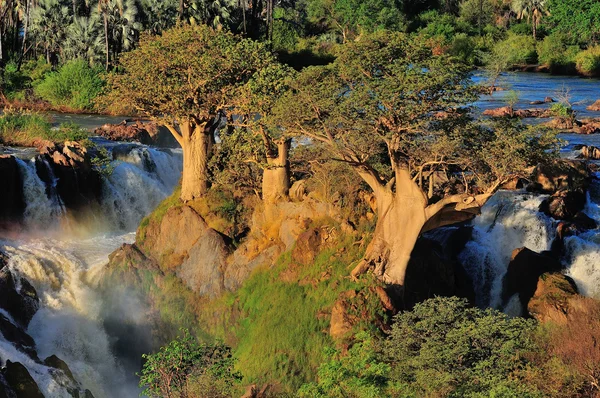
(508, 221)
(40, 210)
(583, 251)
(63, 271)
(69, 323)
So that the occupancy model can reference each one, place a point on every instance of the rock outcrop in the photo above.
(183, 243)
(146, 133)
(12, 204)
(590, 152)
(554, 296)
(524, 271)
(564, 204)
(507, 111)
(568, 175)
(595, 107)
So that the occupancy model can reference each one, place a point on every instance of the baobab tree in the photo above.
(391, 109)
(187, 80)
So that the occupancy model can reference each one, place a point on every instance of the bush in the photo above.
(464, 48)
(187, 368)
(588, 61)
(516, 50)
(75, 85)
(445, 348)
(555, 53)
(12, 81)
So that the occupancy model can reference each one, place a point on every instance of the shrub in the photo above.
(445, 348)
(464, 48)
(74, 85)
(555, 53)
(516, 50)
(12, 81)
(186, 367)
(588, 61)
(358, 373)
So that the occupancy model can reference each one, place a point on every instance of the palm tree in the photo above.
(49, 22)
(531, 9)
(123, 25)
(85, 39)
(215, 13)
(160, 15)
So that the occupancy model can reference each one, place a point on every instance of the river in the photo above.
(63, 261)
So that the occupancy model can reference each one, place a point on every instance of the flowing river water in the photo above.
(64, 261)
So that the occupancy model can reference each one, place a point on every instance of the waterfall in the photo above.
(139, 182)
(583, 251)
(68, 323)
(509, 220)
(40, 210)
(141, 178)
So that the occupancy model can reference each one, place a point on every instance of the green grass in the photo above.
(284, 328)
(26, 129)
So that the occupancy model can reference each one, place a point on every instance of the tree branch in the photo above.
(174, 132)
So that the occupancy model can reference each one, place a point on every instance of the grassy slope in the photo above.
(26, 129)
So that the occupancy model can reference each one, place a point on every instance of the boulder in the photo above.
(12, 203)
(55, 362)
(145, 133)
(20, 381)
(182, 242)
(564, 204)
(549, 100)
(18, 337)
(595, 107)
(562, 123)
(507, 111)
(434, 269)
(21, 303)
(583, 222)
(309, 244)
(524, 270)
(570, 175)
(589, 128)
(590, 152)
(504, 111)
(554, 297)
(343, 316)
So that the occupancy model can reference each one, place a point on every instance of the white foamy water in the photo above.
(64, 270)
(509, 220)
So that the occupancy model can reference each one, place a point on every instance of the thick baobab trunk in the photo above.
(401, 217)
(197, 141)
(276, 177)
(403, 214)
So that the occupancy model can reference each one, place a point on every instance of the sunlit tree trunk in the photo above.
(276, 177)
(403, 214)
(196, 140)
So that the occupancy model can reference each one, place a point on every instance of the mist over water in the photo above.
(64, 261)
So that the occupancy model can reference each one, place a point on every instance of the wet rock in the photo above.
(21, 303)
(549, 100)
(554, 296)
(524, 270)
(590, 152)
(507, 111)
(12, 203)
(145, 133)
(583, 222)
(589, 128)
(55, 362)
(567, 175)
(595, 107)
(562, 123)
(18, 337)
(564, 204)
(20, 381)
(434, 269)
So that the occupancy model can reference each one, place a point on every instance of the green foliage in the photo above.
(282, 333)
(12, 80)
(588, 61)
(17, 128)
(189, 72)
(516, 50)
(562, 110)
(556, 53)
(75, 85)
(102, 161)
(445, 348)
(438, 25)
(577, 19)
(185, 366)
(464, 48)
(357, 373)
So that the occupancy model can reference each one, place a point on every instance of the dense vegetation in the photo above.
(47, 43)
